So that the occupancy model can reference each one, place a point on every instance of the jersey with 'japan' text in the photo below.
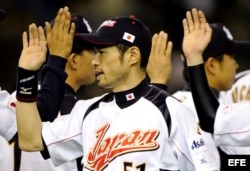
(139, 129)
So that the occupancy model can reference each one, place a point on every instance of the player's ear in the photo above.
(72, 61)
(212, 65)
(135, 55)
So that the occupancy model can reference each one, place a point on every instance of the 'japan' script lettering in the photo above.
(108, 148)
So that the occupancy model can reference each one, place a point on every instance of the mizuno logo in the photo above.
(107, 149)
(25, 90)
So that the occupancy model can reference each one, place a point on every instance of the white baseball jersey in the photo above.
(186, 98)
(132, 130)
(10, 155)
(6, 155)
(239, 92)
(231, 127)
(8, 126)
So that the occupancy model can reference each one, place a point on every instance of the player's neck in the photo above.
(128, 97)
(131, 81)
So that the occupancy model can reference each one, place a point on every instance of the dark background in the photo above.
(159, 15)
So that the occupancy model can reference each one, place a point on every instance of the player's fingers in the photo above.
(48, 31)
(42, 43)
(196, 18)
(31, 38)
(35, 35)
(169, 50)
(154, 38)
(63, 21)
(157, 44)
(58, 18)
(185, 27)
(163, 37)
(72, 30)
(42, 38)
(47, 28)
(209, 31)
(160, 42)
(190, 23)
(25, 40)
(203, 20)
(67, 21)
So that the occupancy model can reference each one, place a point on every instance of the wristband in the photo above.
(27, 86)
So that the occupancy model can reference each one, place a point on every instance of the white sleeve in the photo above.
(231, 125)
(188, 140)
(8, 126)
(63, 136)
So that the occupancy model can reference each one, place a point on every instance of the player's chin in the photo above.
(102, 84)
(99, 77)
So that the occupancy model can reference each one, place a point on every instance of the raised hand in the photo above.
(60, 36)
(159, 66)
(34, 50)
(197, 35)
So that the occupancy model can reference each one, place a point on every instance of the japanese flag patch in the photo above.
(129, 37)
(130, 96)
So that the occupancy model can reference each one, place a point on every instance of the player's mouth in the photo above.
(98, 75)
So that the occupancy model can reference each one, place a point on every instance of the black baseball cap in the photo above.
(2, 14)
(82, 26)
(126, 30)
(222, 42)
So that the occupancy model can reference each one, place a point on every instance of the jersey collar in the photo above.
(129, 97)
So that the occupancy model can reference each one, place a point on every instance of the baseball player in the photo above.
(134, 127)
(238, 93)
(218, 56)
(225, 131)
(79, 63)
(6, 109)
(7, 125)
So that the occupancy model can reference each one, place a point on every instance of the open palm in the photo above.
(34, 48)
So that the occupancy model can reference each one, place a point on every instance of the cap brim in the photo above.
(240, 48)
(95, 39)
(2, 14)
